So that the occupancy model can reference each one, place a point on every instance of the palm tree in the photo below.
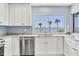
(40, 24)
(57, 21)
(49, 23)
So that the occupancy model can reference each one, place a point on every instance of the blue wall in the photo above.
(15, 29)
(3, 29)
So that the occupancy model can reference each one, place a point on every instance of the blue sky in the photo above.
(44, 20)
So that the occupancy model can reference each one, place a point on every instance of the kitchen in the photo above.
(39, 29)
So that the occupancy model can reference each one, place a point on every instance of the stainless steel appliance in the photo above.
(27, 46)
(2, 47)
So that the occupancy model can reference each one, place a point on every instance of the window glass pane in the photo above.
(45, 25)
(76, 23)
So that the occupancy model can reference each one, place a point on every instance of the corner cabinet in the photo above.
(70, 47)
(20, 14)
(49, 46)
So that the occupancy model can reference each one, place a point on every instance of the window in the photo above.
(48, 23)
(76, 23)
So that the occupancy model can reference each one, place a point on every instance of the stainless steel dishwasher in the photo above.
(27, 46)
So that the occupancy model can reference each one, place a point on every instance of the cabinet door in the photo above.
(65, 47)
(16, 46)
(52, 45)
(40, 46)
(18, 14)
(11, 14)
(23, 14)
(60, 47)
(8, 47)
(69, 53)
(78, 53)
(74, 52)
(28, 15)
(3, 14)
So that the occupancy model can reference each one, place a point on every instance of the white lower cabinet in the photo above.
(12, 46)
(78, 53)
(65, 48)
(72, 51)
(60, 46)
(69, 48)
(40, 46)
(8, 46)
(52, 45)
(69, 51)
(15, 46)
(75, 52)
(49, 46)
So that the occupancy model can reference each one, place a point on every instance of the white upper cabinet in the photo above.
(20, 14)
(75, 8)
(11, 14)
(3, 14)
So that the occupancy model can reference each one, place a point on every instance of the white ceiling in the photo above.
(51, 4)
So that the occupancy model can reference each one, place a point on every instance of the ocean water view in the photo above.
(37, 29)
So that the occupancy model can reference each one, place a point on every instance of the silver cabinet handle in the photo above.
(74, 49)
(16, 39)
(1, 22)
(5, 41)
(22, 23)
(45, 42)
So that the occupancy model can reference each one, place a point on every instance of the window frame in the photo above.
(52, 15)
(74, 22)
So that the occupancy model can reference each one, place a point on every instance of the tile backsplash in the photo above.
(19, 29)
(3, 29)
(15, 29)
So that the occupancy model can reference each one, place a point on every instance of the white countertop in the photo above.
(34, 35)
(48, 34)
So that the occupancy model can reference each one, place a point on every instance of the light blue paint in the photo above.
(15, 29)
(3, 29)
